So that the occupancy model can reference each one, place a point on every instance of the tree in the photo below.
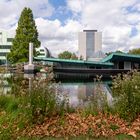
(67, 55)
(134, 51)
(118, 51)
(26, 32)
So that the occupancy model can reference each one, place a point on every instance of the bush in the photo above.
(126, 91)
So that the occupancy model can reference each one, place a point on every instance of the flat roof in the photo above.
(89, 30)
(121, 57)
(74, 61)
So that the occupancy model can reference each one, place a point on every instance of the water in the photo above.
(78, 93)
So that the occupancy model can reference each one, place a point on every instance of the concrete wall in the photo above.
(82, 44)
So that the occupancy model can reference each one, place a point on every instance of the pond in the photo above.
(78, 93)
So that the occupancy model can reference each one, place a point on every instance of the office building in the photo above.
(5, 46)
(90, 45)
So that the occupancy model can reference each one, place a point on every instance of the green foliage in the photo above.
(67, 55)
(26, 32)
(7, 103)
(118, 51)
(135, 51)
(126, 91)
(114, 127)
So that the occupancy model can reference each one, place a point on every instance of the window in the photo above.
(5, 47)
(3, 54)
(41, 50)
(9, 39)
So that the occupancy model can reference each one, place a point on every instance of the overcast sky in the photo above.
(59, 21)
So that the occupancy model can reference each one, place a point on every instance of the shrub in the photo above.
(126, 91)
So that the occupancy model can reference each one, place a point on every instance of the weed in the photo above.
(114, 127)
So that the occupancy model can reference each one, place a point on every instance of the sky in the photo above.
(59, 21)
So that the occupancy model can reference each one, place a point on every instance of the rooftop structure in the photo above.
(5, 46)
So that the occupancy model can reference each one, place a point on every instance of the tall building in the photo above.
(5, 46)
(90, 45)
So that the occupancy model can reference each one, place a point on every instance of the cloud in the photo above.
(116, 19)
(111, 17)
(58, 37)
(10, 10)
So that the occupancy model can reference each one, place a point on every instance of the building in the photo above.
(94, 61)
(123, 61)
(90, 45)
(80, 69)
(5, 46)
(43, 52)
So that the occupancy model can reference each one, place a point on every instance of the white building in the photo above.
(5, 45)
(90, 45)
(43, 52)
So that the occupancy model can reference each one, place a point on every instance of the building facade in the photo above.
(90, 45)
(5, 46)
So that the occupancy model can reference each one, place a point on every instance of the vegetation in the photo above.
(67, 55)
(118, 51)
(126, 90)
(38, 110)
(26, 32)
(135, 51)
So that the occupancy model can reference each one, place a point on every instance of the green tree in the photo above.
(134, 51)
(26, 32)
(67, 55)
(118, 51)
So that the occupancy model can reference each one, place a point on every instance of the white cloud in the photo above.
(58, 37)
(10, 10)
(75, 5)
(108, 16)
(111, 18)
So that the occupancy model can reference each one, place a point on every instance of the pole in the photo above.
(30, 53)
(6, 64)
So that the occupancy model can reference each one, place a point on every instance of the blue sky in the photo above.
(59, 21)
(61, 12)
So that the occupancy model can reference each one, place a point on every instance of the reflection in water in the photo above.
(77, 93)
(80, 93)
(4, 85)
